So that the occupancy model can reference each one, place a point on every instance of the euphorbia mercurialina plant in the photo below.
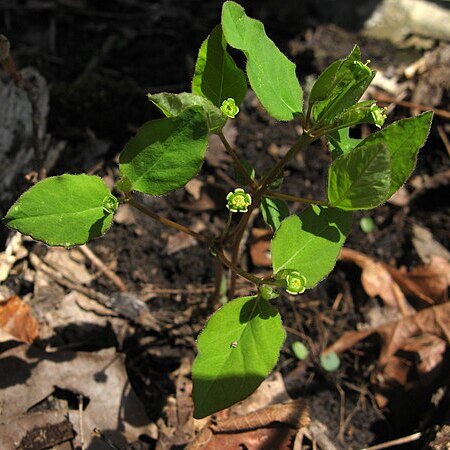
(241, 342)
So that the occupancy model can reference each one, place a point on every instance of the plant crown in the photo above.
(240, 343)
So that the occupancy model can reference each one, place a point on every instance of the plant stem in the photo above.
(168, 222)
(235, 269)
(226, 228)
(304, 140)
(293, 198)
(237, 161)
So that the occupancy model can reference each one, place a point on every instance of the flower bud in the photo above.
(267, 292)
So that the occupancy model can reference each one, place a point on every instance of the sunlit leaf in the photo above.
(309, 242)
(65, 210)
(166, 153)
(237, 349)
(361, 178)
(216, 75)
(270, 73)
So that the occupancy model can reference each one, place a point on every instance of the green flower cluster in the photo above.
(238, 201)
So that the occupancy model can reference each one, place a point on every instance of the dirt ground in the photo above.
(100, 58)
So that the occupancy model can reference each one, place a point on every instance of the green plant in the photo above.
(241, 342)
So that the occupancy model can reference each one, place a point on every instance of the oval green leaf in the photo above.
(166, 153)
(237, 349)
(310, 242)
(66, 210)
(340, 142)
(172, 105)
(216, 75)
(403, 140)
(361, 178)
(271, 74)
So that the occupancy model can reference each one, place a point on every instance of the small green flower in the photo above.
(378, 115)
(295, 283)
(238, 201)
(229, 108)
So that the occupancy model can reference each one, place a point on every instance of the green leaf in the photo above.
(65, 210)
(361, 178)
(216, 75)
(237, 349)
(340, 86)
(172, 105)
(273, 211)
(340, 142)
(166, 153)
(309, 243)
(271, 74)
(403, 139)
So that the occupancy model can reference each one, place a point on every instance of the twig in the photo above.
(444, 137)
(237, 161)
(383, 98)
(103, 268)
(80, 418)
(146, 319)
(168, 222)
(399, 441)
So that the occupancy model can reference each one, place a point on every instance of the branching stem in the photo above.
(168, 222)
(293, 198)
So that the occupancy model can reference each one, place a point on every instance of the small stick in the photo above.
(103, 268)
(444, 138)
(383, 98)
(80, 418)
(399, 441)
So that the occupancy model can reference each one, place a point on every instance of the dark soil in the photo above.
(101, 58)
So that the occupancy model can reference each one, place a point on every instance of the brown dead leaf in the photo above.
(38, 430)
(271, 391)
(100, 377)
(265, 429)
(428, 283)
(377, 280)
(17, 322)
(434, 320)
(179, 241)
(260, 247)
(426, 246)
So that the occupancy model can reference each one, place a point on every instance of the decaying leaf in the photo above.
(434, 320)
(100, 377)
(17, 322)
(260, 247)
(268, 428)
(38, 430)
(428, 283)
